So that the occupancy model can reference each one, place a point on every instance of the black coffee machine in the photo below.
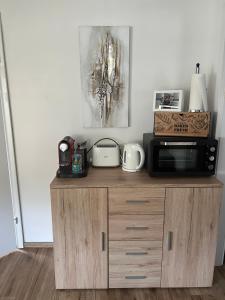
(66, 152)
(72, 158)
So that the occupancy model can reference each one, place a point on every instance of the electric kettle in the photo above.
(133, 157)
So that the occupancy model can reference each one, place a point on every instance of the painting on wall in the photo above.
(104, 63)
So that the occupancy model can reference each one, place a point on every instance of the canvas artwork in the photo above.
(104, 63)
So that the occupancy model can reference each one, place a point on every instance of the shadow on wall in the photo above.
(211, 90)
(213, 123)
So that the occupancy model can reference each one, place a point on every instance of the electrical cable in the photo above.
(102, 140)
(110, 140)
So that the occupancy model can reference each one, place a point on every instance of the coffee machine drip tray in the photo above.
(71, 175)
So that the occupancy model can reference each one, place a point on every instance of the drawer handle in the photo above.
(136, 253)
(103, 241)
(137, 201)
(137, 228)
(135, 277)
(170, 240)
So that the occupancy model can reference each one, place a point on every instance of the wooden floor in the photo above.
(29, 275)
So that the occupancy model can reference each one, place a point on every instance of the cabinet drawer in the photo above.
(133, 276)
(131, 227)
(132, 252)
(138, 200)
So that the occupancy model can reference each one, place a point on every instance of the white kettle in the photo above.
(133, 157)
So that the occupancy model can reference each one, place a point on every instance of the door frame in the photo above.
(220, 133)
(9, 139)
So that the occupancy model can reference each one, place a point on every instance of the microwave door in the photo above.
(179, 158)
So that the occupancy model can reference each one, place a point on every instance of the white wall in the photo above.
(7, 234)
(42, 53)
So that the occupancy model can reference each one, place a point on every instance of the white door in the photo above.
(7, 233)
(11, 233)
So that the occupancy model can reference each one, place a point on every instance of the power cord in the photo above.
(103, 140)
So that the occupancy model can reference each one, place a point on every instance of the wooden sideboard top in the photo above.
(115, 177)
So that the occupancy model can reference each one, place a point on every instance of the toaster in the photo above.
(106, 155)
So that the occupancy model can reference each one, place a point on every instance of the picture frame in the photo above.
(168, 100)
(104, 66)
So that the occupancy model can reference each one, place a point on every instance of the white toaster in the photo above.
(106, 155)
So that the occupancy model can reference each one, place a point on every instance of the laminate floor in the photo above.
(29, 275)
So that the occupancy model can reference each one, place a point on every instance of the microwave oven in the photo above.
(180, 156)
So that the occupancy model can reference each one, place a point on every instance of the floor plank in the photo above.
(29, 275)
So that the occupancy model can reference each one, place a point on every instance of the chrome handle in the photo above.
(135, 277)
(136, 253)
(137, 201)
(170, 240)
(103, 241)
(178, 143)
(137, 228)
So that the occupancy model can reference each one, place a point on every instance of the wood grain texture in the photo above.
(182, 124)
(134, 253)
(132, 276)
(79, 218)
(115, 177)
(135, 227)
(29, 275)
(38, 245)
(136, 216)
(192, 216)
(136, 201)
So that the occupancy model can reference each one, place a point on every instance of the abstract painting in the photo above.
(104, 63)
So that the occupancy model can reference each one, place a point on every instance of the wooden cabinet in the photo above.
(119, 230)
(190, 233)
(136, 227)
(135, 264)
(137, 201)
(136, 218)
(80, 238)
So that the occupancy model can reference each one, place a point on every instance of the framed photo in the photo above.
(168, 100)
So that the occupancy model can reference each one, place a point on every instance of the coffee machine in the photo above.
(72, 159)
(66, 152)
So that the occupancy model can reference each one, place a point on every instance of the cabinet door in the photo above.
(80, 238)
(190, 235)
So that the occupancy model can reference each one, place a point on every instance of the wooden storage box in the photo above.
(182, 124)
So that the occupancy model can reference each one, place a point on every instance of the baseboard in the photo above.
(7, 253)
(38, 245)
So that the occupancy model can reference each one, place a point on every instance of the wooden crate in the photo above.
(182, 124)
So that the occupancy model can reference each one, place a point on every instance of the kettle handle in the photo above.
(124, 156)
(142, 155)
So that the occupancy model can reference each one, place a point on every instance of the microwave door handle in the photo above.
(178, 143)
